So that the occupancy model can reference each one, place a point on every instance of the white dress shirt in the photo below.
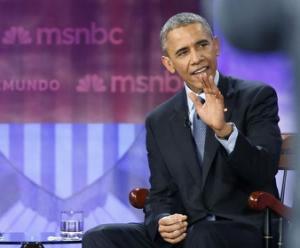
(227, 144)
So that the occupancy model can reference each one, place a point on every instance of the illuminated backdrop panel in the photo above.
(77, 79)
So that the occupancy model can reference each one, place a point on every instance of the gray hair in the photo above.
(179, 20)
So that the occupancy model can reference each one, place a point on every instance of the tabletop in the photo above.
(41, 238)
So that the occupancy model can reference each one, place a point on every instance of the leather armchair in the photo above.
(259, 200)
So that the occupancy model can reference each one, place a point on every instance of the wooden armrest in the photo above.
(261, 200)
(137, 197)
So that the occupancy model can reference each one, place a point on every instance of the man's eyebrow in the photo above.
(183, 49)
(203, 41)
(199, 42)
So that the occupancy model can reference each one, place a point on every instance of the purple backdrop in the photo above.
(83, 61)
(76, 81)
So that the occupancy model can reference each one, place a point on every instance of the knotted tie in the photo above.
(199, 131)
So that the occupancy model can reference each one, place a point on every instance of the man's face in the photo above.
(191, 51)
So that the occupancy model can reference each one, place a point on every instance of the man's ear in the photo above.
(216, 43)
(168, 64)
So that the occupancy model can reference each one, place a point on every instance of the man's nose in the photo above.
(196, 57)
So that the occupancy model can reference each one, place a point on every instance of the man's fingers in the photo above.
(172, 219)
(171, 228)
(176, 240)
(195, 100)
(219, 95)
(212, 84)
(207, 82)
(174, 234)
(209, 86)
(167, 220)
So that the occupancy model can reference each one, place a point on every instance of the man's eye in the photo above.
(182, 53)
(202, 44)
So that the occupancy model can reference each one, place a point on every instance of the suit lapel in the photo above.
(227, 91)
(211, 143)
(211, 147)
(183, 138)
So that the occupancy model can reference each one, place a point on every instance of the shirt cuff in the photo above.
(230, 143)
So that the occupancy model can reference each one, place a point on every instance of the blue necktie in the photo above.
(199, 132)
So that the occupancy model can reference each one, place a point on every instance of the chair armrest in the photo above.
(260, 200)
(137, 197)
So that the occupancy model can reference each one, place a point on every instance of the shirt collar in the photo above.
(202, 95)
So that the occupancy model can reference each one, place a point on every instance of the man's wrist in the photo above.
(225, 132)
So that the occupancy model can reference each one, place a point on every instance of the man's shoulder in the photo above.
(244, 86)
(166, 108)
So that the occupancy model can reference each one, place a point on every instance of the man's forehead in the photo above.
(187, 34)
(188, 30)
(185, 26)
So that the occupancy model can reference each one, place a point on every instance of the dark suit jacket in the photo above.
(177, 185)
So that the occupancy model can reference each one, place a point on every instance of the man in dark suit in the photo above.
(205, 155)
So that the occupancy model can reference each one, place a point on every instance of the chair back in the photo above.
(287, 158)
(287, 154)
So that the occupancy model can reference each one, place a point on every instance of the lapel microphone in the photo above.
(187, 122)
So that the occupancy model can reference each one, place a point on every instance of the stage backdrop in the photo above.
(77, 79)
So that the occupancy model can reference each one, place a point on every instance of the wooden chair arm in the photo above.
(137, 197)
(257, 200)
(261, 200)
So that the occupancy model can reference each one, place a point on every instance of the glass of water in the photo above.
(71, 224)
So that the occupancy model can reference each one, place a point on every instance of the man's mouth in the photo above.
(199, 70)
